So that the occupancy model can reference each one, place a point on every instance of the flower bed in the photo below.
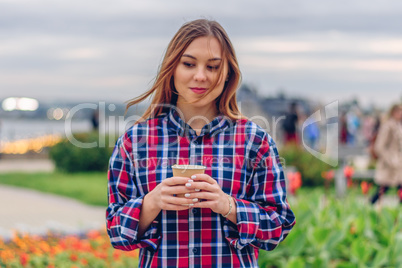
(90, 250)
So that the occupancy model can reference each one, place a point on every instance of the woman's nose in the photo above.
(200, 75)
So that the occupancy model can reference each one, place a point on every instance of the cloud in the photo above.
(322, 42)
(106, 49)
(81, 54)
(322, 65)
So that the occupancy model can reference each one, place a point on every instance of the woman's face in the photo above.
(397, 114)
(197, 70)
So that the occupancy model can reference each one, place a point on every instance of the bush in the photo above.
(310, 167)
(71, 158)
(339, 233)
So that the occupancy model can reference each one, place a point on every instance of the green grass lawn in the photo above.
(90, 188)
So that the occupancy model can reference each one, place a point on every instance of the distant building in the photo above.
(269, 112)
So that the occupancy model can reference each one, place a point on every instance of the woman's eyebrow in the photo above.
(194, 58)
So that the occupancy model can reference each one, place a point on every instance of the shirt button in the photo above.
(195, 250)
(195, 211)
(195, 142)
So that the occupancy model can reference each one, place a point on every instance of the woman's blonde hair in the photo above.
(163, 89)
(393, 109)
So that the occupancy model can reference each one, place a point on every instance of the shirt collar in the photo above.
(176, 123)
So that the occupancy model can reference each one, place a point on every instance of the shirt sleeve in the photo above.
(264, 219)
(125, 203)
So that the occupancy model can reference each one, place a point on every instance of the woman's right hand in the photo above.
(164, 195)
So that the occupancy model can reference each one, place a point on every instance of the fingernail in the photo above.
(190, 205)
(197, 190)
(188, 184)
(190, 181)
(195, 200)
(187, 195)
(193, 177)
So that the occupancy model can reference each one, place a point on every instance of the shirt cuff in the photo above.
(244, 232)
(129, 220)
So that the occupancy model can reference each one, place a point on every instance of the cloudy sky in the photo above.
(98, 50)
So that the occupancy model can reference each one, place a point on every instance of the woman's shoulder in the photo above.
(252, 129)
(390, 125)
(141, 127)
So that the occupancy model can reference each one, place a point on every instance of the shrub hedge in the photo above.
(72, 158)
(308, 165)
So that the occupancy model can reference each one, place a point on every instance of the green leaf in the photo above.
(381, 258)
(296, 242)
(387, 220)
(358, 251)
(397, 248)
(334, 239)
(296, 263)
(360, 224)
(320, 235)
(319, 262)
(346, 265)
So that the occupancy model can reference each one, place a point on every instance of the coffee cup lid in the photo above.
(188, 167)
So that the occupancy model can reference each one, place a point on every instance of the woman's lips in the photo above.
(198, 90)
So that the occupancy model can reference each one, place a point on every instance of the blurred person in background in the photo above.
(353, 126)
(194, 113)
(95, 120)
(368, 122)
(388, 148)
(343, 135)
(311, 133)
(289, 125)
(373, 136)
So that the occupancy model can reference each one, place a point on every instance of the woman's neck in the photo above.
(197, 117)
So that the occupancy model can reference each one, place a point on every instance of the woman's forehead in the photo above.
(204, 47)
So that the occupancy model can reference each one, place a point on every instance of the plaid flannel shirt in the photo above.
(239, 155)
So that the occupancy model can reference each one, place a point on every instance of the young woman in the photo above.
(388, 148)
(227, 214)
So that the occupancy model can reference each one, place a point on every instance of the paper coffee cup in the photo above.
(187, 171)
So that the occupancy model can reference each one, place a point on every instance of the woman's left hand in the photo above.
(210, 192)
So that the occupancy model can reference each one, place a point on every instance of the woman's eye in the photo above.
(187, 64)
(214, 67)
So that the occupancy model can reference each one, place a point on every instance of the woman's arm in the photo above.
(152, 212)
(383, 143)
(132, 219)
(265, 218)
(126, 204)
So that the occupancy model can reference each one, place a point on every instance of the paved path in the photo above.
(26, 165)
(31, 211)
(34, 212)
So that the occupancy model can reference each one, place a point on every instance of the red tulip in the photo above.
(295, 181)
(73, 257)
(84, 262)
(24, 258)
(348, 171)
(365, 187)
(328, 175)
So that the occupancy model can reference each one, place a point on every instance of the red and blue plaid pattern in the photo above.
(239, 155)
